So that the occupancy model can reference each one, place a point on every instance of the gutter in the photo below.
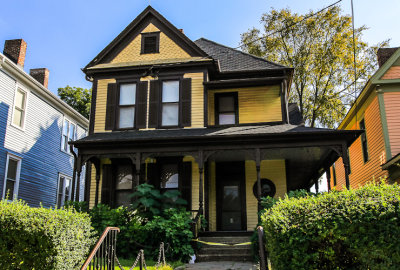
(41, 90)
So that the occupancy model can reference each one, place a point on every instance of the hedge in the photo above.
(351, 229)
(41, 238)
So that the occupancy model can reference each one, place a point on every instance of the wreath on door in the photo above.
(267, 188)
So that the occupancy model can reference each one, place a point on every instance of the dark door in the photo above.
(231, 200)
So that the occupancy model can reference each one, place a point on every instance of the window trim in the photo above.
(363, 138)
(17, 175)
(25, 90)
(150, 34)
(216, 107)
(62, 134)
(117, 106)
(160, 105)
(63, 190)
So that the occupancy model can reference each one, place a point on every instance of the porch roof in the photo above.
(270, 132)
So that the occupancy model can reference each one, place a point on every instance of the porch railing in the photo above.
(196, 223)
(104, 252)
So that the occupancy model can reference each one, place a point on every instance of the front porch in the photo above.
(221, 174)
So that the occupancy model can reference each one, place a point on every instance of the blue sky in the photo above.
(65, 35)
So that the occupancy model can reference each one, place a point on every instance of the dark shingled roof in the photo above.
(384, 54)
(231, 60)
(211, 132)
(295, 117)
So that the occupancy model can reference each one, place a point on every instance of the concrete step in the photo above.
(225, 251)
(226, 239)
(222, 257)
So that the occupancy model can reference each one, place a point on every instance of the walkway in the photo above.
(221, 266)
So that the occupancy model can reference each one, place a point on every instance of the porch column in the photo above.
(201, 192)
(97, 166)
(316, 186)
(137, 171)
(328, 178)
(258, 169)
(78, 184)
(346, 164)
(71, 147)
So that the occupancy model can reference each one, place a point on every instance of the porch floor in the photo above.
(225, 265)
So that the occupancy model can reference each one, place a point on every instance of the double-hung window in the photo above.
(126, 105)
(170, 103)
(226, 109)
(64, 189)
(364, 143)
(68, 134)
(12, 175)
(19, 108)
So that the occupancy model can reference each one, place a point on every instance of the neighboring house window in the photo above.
(64, 190)
(126, 105)
(12, 175)
(334, 174)
(68, 134)
(226, 109)
(364, 143)
(170, 103)
(19, 108)
(150, 43)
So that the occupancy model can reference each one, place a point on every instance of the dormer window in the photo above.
(226, 109)
(150, 43)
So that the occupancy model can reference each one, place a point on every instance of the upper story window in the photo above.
(364, 143)
(12, 175)
(126, 105)
(19, 108)
(150, 43)
(170, 103)
(64, 190)
(226, 109)
(68, 134)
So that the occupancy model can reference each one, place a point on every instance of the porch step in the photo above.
(210, 253)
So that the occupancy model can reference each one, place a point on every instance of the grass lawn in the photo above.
(127, 264)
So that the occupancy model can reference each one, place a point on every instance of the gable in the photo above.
(392, 73)
(168, 48)
(126, 47)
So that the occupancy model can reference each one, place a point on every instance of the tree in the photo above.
(78, 98)
(320, 48)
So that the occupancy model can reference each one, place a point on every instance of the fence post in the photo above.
(260, 232)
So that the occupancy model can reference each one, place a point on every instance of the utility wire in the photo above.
(354, 61)
(289, 26)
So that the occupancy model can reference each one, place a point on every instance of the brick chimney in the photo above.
(384, 54)
(15, 50)
(41, 75)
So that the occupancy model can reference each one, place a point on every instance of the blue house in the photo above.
(36, 163)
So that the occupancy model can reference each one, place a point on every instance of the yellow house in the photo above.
(205, 119)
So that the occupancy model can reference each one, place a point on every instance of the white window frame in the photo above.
(68, 138)
(23, 89)
(63, 189)
(17, 176)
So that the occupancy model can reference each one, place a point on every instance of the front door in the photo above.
(231, 200)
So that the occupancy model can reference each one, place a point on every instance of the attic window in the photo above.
(150, 42)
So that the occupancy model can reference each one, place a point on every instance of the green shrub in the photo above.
(41, 238)
(352, 229)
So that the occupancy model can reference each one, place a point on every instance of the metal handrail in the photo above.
(105, 248)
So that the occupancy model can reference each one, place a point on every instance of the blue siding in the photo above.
(39, 145)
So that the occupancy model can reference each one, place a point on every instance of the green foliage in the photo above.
(78, 98)
(352, 229)
(40, 238)
(320, 48)
(149, 201)
(78, 206)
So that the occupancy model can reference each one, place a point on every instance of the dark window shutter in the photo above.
(155, 89)
(185, 182)
(106, 188)
(152, 175)
(111, 106)
(186, 102)
(141, 105)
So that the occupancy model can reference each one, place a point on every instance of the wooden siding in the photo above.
(392, 108)
(101, 105)
(362, 172)
(38, 144)
(272, 169)
(197, 99)
(256, 104)
(392, 73)
(168, 49)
